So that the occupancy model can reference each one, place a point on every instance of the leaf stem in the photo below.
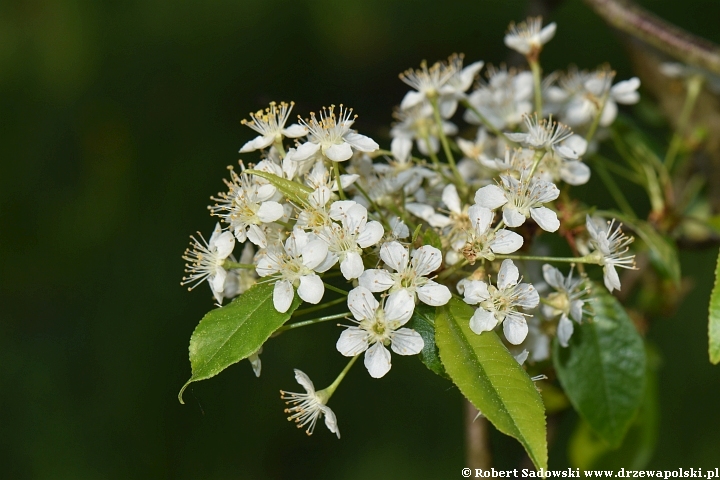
(537, 74)
(336, 169)
(322, 306)
(335, 289)
(327, 392)
(313, 321)
(446, 145)
(585, 259)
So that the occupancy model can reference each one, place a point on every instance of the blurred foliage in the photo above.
(118, 121)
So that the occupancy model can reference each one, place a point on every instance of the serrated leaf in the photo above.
(714, 319)
(587, 450)
(663, 253)
(293, 191)
(232, 333)
(423, 322)
(488, 375)
(603, 369)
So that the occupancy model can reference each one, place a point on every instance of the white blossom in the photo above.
(239, 280)
(306, 408)
(485, 242)
(416, 124)
(331, 135)
(528, 37)
(428, 83)
(246, 207)
(346, 240)
(270, 124)
(379, 327)
(503, 100)
(500, 304)
(293, 267)
(206, 261)
(611, 247)
(567, 301)
(410, 273)
(521, 199)
(545, 135)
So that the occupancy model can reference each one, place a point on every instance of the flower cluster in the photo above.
(324, 212)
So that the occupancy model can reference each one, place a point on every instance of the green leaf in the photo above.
(488, 375)
(714, 319)
(293, 191)
(603, 369)
(588, 451)
(431, 237)
(663, 253)
(229, 334)
(423, 322)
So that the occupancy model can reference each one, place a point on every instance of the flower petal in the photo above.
(331, 420)
(377, 360)
(361, 142)
(305, 151)
(411, 99)
(406, 342)
(362, 303)
(512, 216)
(394, 255)
(482, 321)
(481, 218)
(302, 378)
(565, 330)
(451, 198)
(295, 131)
(314, 253)
(611, 278)
(426, 259)
(311, 288)
(508, 274)
(475, 291)
(376, 280)
(553, 277)
(515, 328)
(352, 341)
(371, 234)
(545, 218)
(283, 294)
(432, 293)
(270, 211)
(399, 307)
(490, 196)
(352, 266)
(338, 152)
(506, 242)
(526, 296)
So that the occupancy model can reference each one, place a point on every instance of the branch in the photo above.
(666, 37)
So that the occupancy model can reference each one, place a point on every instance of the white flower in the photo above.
(379, 327)
(455, 226)
(611, 247)
(416, 124)
(554, 168)
(529, 36)
(409, 276)
(428, 83)
(246, 207)
(206, 260)
(331, 135)
(485, 242)
(500, 304)
(293, 267)
(457, 85)
(545, 135)
(567, 301)
(520, 200)
(319, 177)
(309, 406)
(270, 124)
(503, 100)
(345, 242)
(255, 362)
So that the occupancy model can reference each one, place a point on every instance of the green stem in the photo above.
(585, 259)
(536, 161)
(446, 145)
(537, 75)
(694, 87)
(336, 169)
(487, 123)
(327, 392)
(279, 147)
(596, 121)
(305, 323)
(315, 308)
(335, 289)
(614, 190)
(229, 265)
(449, 271)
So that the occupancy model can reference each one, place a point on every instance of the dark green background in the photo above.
(118, 120)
